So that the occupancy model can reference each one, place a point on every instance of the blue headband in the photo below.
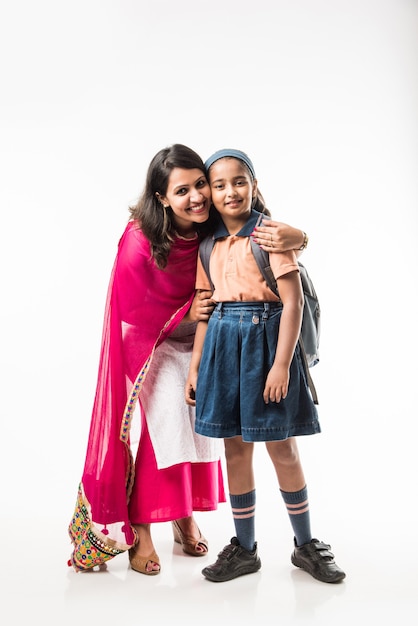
(225, 152)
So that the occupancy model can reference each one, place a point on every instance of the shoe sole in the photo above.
(323, 580)
(224, 579)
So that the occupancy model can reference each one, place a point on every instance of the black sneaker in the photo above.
(233, 561)
(316, 559)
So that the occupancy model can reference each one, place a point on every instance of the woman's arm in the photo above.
(279, 237)
(201, 307)
(291, 294)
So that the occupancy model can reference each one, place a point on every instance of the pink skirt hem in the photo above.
(174, 492)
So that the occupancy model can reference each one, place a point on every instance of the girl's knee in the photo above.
(237, 450)
(283, 452)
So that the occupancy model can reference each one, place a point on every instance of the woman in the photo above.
(151, 312)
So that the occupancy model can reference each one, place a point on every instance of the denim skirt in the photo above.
(239, 351)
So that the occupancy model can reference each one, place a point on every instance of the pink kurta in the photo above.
(144, 306)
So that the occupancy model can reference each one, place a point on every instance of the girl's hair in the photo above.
(156, 222)
(258, 203)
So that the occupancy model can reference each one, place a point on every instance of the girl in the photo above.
(247, 378)
(148, 333)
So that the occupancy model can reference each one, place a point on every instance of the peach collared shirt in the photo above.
(235, 273)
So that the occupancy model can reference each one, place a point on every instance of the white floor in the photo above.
(37, 585)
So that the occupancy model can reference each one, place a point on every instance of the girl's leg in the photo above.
(239, 462)
(311, 555)
(240, 557)
(286, 461)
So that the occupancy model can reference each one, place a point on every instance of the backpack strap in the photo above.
(262, 258)
(263, 262)
(307, 371)
(205, 250)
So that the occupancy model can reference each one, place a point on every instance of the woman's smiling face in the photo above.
(188, 195)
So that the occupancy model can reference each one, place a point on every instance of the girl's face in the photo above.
(188, 194)
(232, 188)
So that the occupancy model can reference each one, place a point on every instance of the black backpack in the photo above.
(311, 320)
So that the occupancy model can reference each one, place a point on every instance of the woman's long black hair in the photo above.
(155, 221)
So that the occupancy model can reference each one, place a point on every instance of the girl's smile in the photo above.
(233, 190)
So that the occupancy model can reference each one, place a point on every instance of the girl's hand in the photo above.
(277, 384)
(201, 307)
(189, 390)
(278, 237)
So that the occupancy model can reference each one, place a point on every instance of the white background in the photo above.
(322, 95)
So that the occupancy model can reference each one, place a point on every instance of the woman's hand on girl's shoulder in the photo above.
(278, 237)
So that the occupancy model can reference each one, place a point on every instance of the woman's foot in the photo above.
(150, 564)
(187, 533)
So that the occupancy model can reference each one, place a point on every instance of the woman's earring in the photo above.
(165, 206)
(165, 216)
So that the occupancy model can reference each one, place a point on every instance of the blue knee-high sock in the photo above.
(297, 505)
(243, 512)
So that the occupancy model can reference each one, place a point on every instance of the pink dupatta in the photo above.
(144, 305)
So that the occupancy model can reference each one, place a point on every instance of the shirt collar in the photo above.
(221, 231)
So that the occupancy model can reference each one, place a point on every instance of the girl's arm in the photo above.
(279, 237)
(191, 381)
(291, 294)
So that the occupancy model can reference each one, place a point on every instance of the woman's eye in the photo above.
(181, 191)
